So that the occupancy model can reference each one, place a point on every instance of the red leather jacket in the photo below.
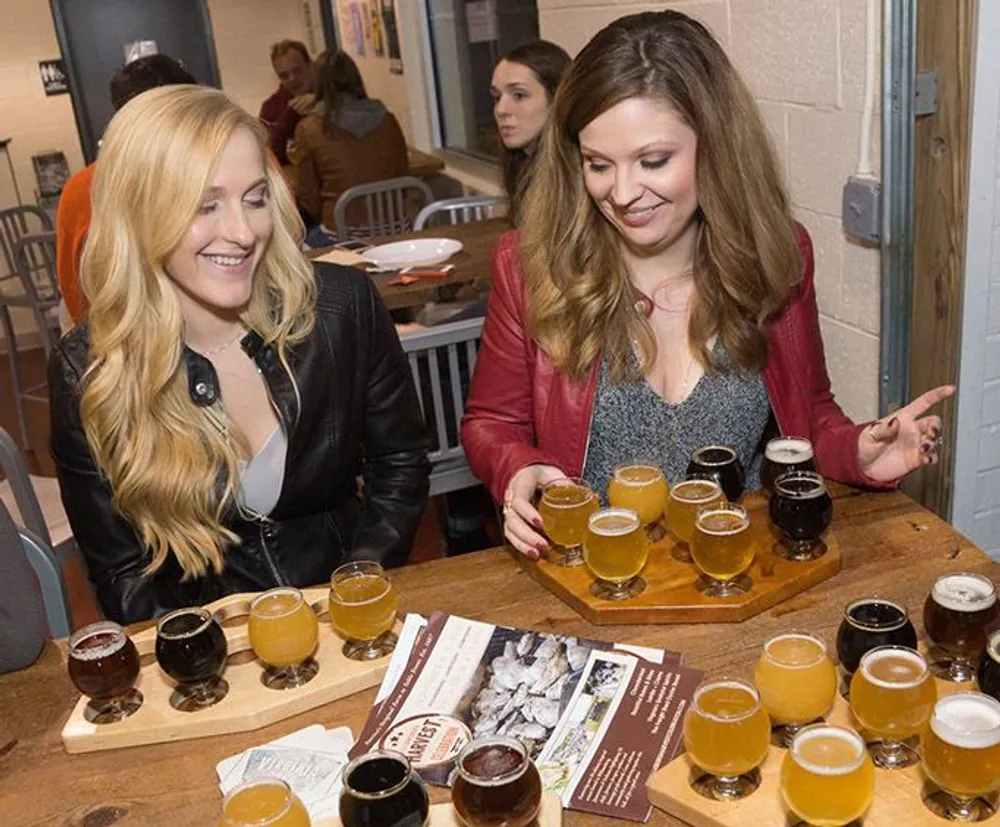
(521, 410)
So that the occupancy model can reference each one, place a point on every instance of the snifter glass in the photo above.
(723, 549)
(802, 510)
(868, 623)
(191, 648)
(719, 463)
(363, 606)
(381, 788)
(643, 488)
(564, 507)
(263, 802)
(615, 551)
(959, 611)
(104, 666)
(284, 632)
(496, 783)
(686, 499)
(783, 454)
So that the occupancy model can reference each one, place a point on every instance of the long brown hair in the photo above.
(581, 303)
(547, 62)
(338, 81)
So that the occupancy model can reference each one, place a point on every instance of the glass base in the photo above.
(566, 556)
(289, 677)
(188, 698)
(963, 810)
(726, 788)
(104, 712)
(952, 668)
(799, 551)
(382, 646)
(606, 590)
(711, 587)
(894, 755)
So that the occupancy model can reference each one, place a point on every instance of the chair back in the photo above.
(459, 210)
(387, 207)
(17, 476)
(442, 360)
(35, 263)
(16, 222)
(52, 580)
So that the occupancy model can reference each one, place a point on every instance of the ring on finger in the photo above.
(508, 509)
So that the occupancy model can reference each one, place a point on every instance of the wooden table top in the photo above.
(892, 547)
(421, 164)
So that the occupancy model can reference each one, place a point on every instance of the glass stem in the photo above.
(962, 809)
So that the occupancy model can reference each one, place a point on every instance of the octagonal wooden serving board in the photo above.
(671, 594)
(443, 815)
(249, 705)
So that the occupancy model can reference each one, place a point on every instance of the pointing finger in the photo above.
(928, 399)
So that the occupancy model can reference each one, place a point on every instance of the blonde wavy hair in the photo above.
(171, 467)
(581, 303)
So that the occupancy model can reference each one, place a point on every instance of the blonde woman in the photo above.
(660, 295)
(211, 419)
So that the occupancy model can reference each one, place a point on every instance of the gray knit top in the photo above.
(631, 423)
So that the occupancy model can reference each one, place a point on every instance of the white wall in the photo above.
(976, 503)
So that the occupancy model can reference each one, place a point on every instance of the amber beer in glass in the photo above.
(564, 508)
(686, 499)
(284, 632)
(723, 548)
(783, 454)
(892, 695)
(726, 734)
(962, 755)
(380, 789)
(104, 666)
(615, 551)
(497, 785)
(958, 612)
(266, 802)
(719, 463)
(797, 681)
(363, 605)
(827, 777)
(191, 648)
(643, 488)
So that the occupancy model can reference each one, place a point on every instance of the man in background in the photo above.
(295, 96)
(73, 214)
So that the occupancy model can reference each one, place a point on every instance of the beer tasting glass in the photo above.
(726, 734)
(868, 623)
(957, 613)
(363, 606)
(381, 790)
(264, 802)
(719, 463)
(284, 632)
(686, 499)
(962, 755)
(104, 666)
(827, 777)
(191, 648)
(564, 508)
(783, 454)
(802, 510)
(496, 784)
(988, 674)
(722, 549)
(797, 682)
(892, 695)
(643, 488)
(615, 551)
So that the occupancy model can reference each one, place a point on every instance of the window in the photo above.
(467, 38)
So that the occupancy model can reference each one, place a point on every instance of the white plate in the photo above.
(419, 252)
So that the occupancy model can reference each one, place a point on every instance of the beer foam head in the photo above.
(788, 450)
(276, 602)
(613, 522)
(898, 667)
(714, 455)
(174, 627)
(855, 617)
(800, 485)
(795, 650)
(638, 475)
(96, 641)
(964, 592)
(969, 720)
(696, 491)
(734, 689)
(724, 521)
(828, 750)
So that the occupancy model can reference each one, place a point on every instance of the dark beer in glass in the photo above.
(868, 623)
(719, 463)
(958, 612)
(104, 665)
(382, 790)
(497, 785)
(783, 454)
(988, 674)
(191, 648)
(802, 510)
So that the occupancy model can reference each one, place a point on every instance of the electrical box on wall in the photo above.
(862, 209)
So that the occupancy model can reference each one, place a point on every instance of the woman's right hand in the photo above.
(522, 524)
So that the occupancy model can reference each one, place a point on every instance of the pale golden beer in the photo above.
(796, 678)
(685, 500)
(722, 548)
(363, 605)
(283, 629)
(962, 745)
(643, 488)
(727, 734)
(564, 508)
(615, 550)
(827, 777)
(267, 802)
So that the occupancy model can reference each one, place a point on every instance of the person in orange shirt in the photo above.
(73, 214)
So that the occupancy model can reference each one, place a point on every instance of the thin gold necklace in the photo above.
(219, 348)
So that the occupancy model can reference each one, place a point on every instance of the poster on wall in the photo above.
(392, 37)
(378, 33)
(357, 29)
(54, 80)
(481, 21)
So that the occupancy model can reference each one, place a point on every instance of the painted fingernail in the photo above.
(541, 548)
(925, 447)
(537, 523)
(935, 432)
(892, 422)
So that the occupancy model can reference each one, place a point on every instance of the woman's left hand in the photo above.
(890, 449)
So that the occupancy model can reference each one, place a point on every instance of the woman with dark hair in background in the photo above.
(524, 83)
(349, 139)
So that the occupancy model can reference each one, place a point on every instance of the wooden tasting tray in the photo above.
(671, 595)
(443, 815)
(898, 800)
(249, 704)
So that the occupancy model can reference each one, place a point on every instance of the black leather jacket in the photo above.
(356, 414)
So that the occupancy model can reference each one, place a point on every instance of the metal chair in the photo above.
(34, 257)
(442, 360)
(16, 222)
(460, 210)
(388, 205)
